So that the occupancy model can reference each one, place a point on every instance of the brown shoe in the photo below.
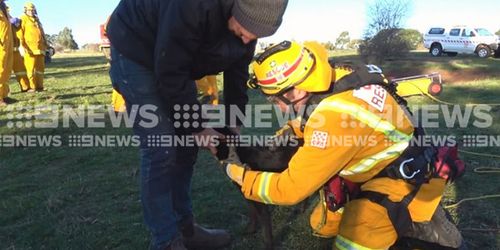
(198, 237)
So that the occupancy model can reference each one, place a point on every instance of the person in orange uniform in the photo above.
(34, 43)
(18, 63)
(6, 48)
(294, 77)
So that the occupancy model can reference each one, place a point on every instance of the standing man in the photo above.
(159, 48)
(6, 49)
(18, 63)
(34, 43)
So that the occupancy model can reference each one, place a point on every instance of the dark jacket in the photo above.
(180, 41)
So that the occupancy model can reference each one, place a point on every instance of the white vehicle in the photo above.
(460, 39)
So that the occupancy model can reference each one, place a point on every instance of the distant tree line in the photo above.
(62, 41)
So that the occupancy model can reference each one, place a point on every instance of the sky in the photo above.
(321, 20)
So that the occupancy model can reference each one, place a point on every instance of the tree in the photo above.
(386, 14)
(65, 39)
(497, 33)
(343, 40)
(388, 43)
(384, 37)
(413, 37)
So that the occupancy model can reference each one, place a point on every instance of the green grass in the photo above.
(87, 198)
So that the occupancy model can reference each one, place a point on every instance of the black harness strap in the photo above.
(397, 211)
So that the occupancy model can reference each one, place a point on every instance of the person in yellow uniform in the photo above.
(345, 105)
(18, 63)
(35, 45)
(6, 48)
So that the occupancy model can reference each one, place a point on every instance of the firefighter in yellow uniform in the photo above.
(292, 76)
(18, 63)
(6, 48)
(35, 46)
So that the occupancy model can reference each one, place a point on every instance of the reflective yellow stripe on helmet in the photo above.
(265, 180)
(345, 244)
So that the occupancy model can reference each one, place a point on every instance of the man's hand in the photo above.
(206, 137)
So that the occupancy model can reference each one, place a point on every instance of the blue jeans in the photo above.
(166, 171)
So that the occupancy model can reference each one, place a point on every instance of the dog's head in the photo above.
(273, 157)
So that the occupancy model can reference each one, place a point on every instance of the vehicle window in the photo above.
(468, 33)
(454, 32)
(436, 31)
(483, 32)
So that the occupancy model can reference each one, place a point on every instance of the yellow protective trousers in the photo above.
(20, 71)
(118, 102)
(35, 68)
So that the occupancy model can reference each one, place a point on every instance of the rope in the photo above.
(479, 154)
(486, 170)
(473, 199)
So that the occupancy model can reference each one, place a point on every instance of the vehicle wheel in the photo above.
(451, 54)
(436, 50)
(483, 51)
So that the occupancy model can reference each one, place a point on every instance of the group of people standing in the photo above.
(27, 33)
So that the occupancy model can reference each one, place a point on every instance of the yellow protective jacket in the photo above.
(6, 47)
(32, 36)
(356, 134)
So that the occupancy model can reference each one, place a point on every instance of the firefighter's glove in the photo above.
(233, 167)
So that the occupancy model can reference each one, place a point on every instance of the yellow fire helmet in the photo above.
(289, 64)
(29, 6)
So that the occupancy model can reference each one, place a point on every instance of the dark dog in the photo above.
(269, 158)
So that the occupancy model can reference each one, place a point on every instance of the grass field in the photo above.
(87, 198)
